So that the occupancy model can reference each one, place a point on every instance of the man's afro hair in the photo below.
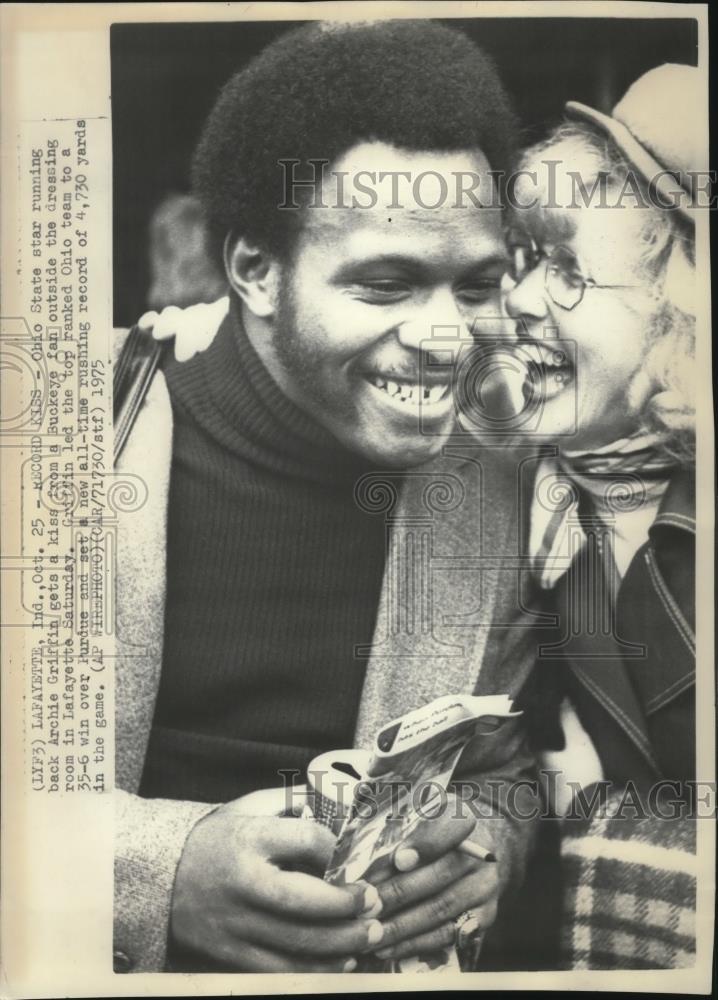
(322, 88)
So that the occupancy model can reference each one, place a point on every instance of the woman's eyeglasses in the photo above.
(563, 279)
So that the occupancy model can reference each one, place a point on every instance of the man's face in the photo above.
(588, 359)
(365, 289)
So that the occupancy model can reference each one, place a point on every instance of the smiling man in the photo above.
(344, 327)
(318, 375)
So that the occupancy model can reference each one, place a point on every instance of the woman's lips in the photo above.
(548, 369)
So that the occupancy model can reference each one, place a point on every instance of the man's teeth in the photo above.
(406, 392)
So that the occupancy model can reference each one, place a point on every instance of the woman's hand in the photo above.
(193, 328)
(435, 884)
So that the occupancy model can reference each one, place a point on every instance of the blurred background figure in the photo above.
(182, 270)
(166, 77)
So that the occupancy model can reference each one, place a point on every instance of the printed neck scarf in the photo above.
(621, 484)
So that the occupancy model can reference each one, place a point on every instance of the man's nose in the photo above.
(439, 318)
(527, 299)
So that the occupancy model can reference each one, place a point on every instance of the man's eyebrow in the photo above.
(351, 267)
(414, 265)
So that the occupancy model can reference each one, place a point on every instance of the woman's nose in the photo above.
(528, 297)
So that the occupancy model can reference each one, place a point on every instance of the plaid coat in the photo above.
(629, 897)
(628, 873)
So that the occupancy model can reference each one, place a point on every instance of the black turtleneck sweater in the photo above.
(273, 577)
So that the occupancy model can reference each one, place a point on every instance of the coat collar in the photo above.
(446, 538)
(142, 478)
(649, 660)
(678, 506)
(631, 670)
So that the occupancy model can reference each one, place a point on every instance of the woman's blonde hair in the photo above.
(667, 260)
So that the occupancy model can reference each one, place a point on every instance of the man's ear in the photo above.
(252, 273)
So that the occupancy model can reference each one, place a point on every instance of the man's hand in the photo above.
(244, 899)
(436, 884)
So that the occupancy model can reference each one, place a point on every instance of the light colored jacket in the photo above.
(448, 528)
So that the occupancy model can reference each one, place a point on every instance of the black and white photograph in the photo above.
(402, 333)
